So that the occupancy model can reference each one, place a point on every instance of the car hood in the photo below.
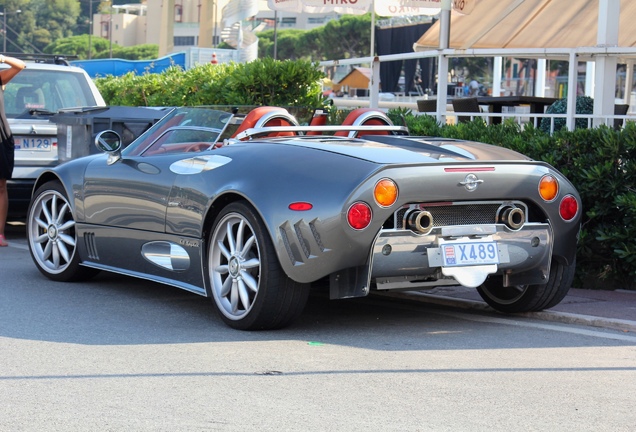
(394, 149)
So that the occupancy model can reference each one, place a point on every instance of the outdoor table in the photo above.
(496, 103)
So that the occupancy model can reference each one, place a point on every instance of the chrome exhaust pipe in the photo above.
(513, 217)
(419, 221)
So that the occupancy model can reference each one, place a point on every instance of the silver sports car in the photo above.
(251, 209)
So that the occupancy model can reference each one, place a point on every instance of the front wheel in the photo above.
(52, 237)
(529, 298)
(250, 289)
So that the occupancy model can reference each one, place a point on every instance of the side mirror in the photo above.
(109, 142)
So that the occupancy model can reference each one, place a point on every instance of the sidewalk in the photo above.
(607, 309)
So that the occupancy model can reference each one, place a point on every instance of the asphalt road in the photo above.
(120, 354)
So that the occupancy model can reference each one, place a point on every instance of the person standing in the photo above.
(6, 140)
(473, 88)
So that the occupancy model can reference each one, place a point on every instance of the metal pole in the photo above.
(90, 26)
(442, 61)
(110, 33)
(275, 33)
(372, 48)
(215, 21)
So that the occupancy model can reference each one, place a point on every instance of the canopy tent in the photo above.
(358, 7)
(523, 25)
(530, 24)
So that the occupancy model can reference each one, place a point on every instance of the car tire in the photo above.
(529, 298)
(250, 289)
(51, 235)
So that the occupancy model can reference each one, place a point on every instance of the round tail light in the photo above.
(359, 215)
(569, 207)
(385, 192)
(548, 187)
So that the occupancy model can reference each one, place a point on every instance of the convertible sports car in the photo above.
(250, 210)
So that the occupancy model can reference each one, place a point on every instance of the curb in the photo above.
(553, 316)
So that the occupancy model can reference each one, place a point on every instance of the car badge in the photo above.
(471, 182)
(33, 131)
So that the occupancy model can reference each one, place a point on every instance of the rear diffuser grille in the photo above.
(457, 214)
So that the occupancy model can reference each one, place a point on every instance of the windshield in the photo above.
(181, 125)
(48, 90)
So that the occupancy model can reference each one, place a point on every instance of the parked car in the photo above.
(30, 99)
(251, 210)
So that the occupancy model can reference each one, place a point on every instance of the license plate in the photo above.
(34, 143)
(468, 254)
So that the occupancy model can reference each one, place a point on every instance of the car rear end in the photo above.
(31, 98)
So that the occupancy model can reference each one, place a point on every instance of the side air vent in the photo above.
(91, 247)
(301, 240)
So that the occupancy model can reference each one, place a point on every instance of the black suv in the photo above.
(30, 99)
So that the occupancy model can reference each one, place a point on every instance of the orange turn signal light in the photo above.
(548, 187)
(385, 192)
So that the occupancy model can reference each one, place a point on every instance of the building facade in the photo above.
(178, 25)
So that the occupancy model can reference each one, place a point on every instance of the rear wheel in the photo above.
(529, 298)
(52, 237)
(250, 289)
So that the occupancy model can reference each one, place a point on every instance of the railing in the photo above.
(520, 117)
(572, 55)
(524, 118)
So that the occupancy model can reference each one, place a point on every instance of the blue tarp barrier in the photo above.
(118, 67)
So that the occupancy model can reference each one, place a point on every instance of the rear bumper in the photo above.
(402, 259)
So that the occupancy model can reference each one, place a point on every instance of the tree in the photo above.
(78, 45)
(289, 44)
(57, 17)
(137, 52)
(348, 37)
(18, 24)
(86, 7)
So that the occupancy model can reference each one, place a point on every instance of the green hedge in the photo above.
(584, 105)
(261, 82)
(600, 162)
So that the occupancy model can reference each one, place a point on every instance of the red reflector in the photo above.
(300, 206)
(359, 215)
(569, 207)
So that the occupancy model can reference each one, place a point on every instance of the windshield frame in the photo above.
(180, 118)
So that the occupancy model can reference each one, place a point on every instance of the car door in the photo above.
(134, 192)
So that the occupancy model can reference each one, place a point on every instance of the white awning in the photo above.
(530, 24)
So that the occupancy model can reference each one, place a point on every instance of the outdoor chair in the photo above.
(465, 105)
(620, 109)
(427, 106)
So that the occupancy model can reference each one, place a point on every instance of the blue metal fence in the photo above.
(118, 67)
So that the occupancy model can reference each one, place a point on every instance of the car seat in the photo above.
(29, 97)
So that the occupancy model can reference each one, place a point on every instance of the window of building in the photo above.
(316, 20)
(184, 41)
(178, 13)
(288, 22)
(104, 30)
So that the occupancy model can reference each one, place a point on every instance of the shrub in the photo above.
(584, 105)
(261, 82)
